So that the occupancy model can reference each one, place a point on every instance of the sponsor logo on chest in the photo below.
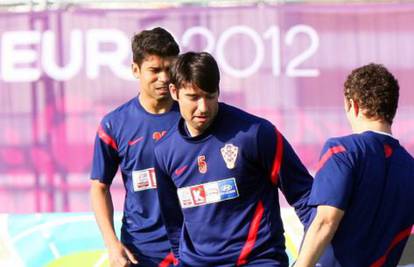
(144, 179)
(208, 193)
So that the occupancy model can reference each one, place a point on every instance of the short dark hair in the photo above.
(200, 69)
(157, 41)
(375, 89)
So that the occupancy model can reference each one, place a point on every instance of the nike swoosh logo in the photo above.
(133, 142)
(180, 171)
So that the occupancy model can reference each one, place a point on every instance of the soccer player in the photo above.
(363, 190)
(125, 139)
(218, 175)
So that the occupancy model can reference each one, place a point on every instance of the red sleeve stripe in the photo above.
(169, 259)
(277, 162)
(328, 154)
(106, 138)
(252, 236)
(387, 150)
(397, 239)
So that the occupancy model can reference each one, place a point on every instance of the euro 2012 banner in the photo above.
(73, 239)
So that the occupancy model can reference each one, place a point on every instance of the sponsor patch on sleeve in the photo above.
(212, 192)
(144, 179)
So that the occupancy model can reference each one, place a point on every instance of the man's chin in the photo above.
(202, 126)
(161, 97)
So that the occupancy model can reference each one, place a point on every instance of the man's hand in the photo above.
(120, 256)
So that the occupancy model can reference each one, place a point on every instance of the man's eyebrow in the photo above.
(190, 94)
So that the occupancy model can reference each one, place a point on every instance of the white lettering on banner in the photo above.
(25, 64)
(188, 34)
(49, 56)
(11, 56)
(208, 193)
(274, 34)
(114, 60)
(291, 70)
(259, 51)
(144, 179)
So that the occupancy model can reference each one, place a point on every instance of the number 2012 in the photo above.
(293, 66)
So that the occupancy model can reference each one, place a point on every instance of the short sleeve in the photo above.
(105, 155)
(334, 181)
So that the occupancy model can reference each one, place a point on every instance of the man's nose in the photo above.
(163, 76)
(202, 105)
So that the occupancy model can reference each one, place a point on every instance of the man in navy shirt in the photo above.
(125, 139)
(218, 175)
(364, 189)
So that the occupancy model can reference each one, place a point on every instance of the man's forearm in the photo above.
(104, 213)
(317, 238)
(319, 235)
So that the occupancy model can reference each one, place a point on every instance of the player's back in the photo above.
(379, 214)
(395, 213)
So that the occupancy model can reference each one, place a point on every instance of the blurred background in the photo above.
(64, 64)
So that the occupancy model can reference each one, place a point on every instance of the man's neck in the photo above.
(371, 125)
(190, 131)
(154, 106)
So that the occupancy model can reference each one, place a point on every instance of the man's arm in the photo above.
(285, 169)
(295, 182)
(319, 235)
(103, 208)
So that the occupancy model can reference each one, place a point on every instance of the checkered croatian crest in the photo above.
(229, 153)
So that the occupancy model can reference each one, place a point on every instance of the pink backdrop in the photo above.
(61, 71)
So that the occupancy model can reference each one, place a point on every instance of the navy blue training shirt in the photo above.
(218, 191)
(371, 177)
(126, 139)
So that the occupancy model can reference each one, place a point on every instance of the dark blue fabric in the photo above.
(214, 234)
(374, 190)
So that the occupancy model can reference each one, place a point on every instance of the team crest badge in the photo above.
(229, 153)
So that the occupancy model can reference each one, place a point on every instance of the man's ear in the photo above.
(354, 107)
(136, 71)
(173, 91)
(347, 105)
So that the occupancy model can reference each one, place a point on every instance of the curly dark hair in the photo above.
(157, 41)
(376, 91)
